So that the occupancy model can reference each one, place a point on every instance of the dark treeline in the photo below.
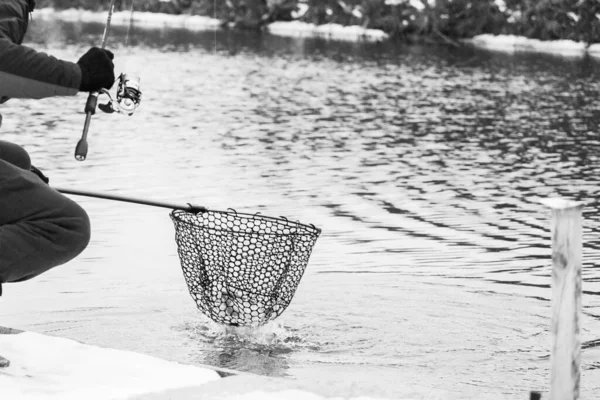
(439, 20)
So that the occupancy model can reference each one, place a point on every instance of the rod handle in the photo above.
(81, 149)
(90, 109)
(90, 104)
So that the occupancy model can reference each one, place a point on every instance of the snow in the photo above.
(561, 204)
(194, 22)
(506, 43)
(333, 31)
(418, 4)
(52, 368)
(511, 43)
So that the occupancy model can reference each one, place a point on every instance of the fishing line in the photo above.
(107, 26)
(130, 24)
(215, 17)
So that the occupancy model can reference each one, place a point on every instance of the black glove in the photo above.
(39, 174)
(97, 70)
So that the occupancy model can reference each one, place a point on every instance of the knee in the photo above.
(32, 247)
(15, 155)
(77, 229)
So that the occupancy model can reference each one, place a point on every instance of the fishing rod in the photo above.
(128, 93)
(92, 100)
(106, 196)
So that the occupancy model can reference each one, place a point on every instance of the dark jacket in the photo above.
(24, 72)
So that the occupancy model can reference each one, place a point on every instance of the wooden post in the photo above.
(567, 251)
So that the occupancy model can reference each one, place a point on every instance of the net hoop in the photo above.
(240, 268)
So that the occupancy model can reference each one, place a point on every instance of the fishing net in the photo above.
(242, 269)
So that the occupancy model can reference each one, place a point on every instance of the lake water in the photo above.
(421, 165)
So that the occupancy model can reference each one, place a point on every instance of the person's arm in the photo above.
(26, 73)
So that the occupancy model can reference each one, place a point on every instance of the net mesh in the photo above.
(242, 269)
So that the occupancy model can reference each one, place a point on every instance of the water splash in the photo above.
(272, 337)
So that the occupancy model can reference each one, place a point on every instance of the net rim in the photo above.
(310, 228)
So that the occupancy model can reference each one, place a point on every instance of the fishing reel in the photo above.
(128, 98)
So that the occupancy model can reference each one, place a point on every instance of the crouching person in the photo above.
(39, 227)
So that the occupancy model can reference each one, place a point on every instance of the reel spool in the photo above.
(129, 96)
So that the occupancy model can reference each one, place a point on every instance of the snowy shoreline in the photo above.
(54, 368)
(501, 43)
(201, 23)
(520, 44)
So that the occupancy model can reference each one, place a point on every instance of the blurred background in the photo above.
(405, 20)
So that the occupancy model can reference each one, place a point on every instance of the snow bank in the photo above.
(51, 368)
(505, 43)
(511, 43)
(195, 22)
(331, 31)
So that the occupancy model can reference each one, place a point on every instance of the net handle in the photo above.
(106, 196)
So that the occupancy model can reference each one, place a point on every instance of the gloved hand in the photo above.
(39, 174)
(97, 70)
